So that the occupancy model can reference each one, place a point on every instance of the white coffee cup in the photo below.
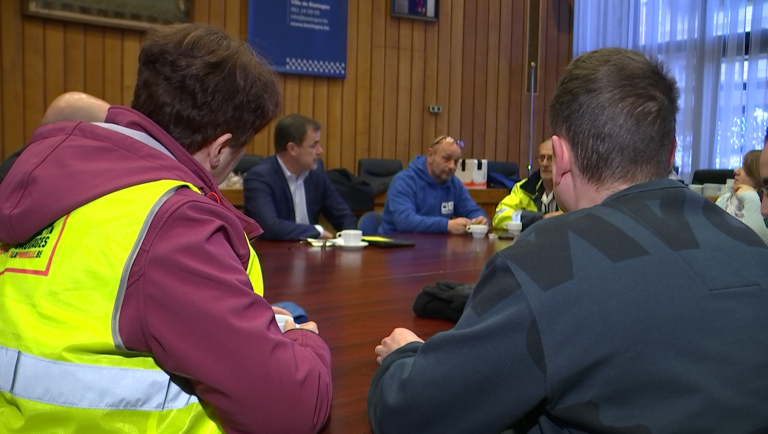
(351, 237)
(281, 319)
(696, 188)
(514, 228)
(477, 231)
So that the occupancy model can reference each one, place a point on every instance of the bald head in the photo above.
(75, 107)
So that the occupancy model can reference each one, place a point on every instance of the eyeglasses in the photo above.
(542, 158)
(447, 138)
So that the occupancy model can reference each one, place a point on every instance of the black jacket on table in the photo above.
(268, 200)
(643, 314)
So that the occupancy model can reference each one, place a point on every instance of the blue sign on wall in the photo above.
(306, 37)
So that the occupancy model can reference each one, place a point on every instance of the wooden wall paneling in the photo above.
(564, 13)
(291, 98)
(260, 144)
(200, 10)
(431, 59)
(320, 108)
(11, 57)
(113, 71)
(232, 14)
(551, 64)
(34, 75)
(491, 83)
(418, 105)
(476, 145)
(391, 59)
(131, 46)
(363, 92)
(333, 131)
(376, 102)
(468, 76)
(216, 13)
(349, 92)
(54, 60)
(443, 69)
(518, 99)
(525, 100)
(94, 61)
(306, 93)
(502, 104)
(455, 108)
(404, 52)
(74, 57)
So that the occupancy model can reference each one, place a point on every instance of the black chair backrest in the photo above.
(378, 167)
(504, 168)
(246, 163)
(378, 172)
(711, 176)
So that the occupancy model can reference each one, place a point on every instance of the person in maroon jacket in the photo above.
(200, 97)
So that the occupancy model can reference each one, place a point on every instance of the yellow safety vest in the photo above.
(63, 367)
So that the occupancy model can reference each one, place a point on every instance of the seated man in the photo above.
(69, 106)
(532, 198)
(617, 316)
(426, 197)
(287, 191)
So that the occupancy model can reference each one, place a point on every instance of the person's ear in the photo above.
(672, 156)
(562, 151)
(291, 148)
(216, 148)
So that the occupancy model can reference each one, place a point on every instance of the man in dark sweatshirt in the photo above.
(642, 309)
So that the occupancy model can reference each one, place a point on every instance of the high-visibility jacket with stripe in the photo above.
(63, 366)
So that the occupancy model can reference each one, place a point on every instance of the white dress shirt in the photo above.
(296, 185)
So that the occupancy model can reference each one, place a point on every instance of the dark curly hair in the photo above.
(197, 83)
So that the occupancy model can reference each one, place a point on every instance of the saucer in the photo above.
(340, 243)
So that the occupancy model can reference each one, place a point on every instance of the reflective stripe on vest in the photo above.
(88, 386)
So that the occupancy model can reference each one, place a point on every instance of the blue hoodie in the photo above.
(416, 203)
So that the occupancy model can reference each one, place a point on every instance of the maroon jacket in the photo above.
(189, 301)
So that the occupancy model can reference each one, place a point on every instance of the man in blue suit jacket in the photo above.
(286, 192)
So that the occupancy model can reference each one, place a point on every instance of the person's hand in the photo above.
(479, 221)
(395, 340)
(326, 235)
(281, 311)
(458, 226)
(743, 188)
(310, 325)
(552, 214)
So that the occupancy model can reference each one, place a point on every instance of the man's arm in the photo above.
(481, 376)
(401, 201)
(201, 320)
(335, 210)
(517, 200)
(259, 204)
(465, 206)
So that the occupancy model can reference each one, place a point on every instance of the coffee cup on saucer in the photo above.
(477, 231)
(351, 237)
(514, 228)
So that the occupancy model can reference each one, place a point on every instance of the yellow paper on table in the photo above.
(387, 242)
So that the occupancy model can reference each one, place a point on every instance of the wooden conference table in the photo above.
(358, 296)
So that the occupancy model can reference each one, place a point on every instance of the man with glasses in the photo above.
(427, 198)
(532, 198)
